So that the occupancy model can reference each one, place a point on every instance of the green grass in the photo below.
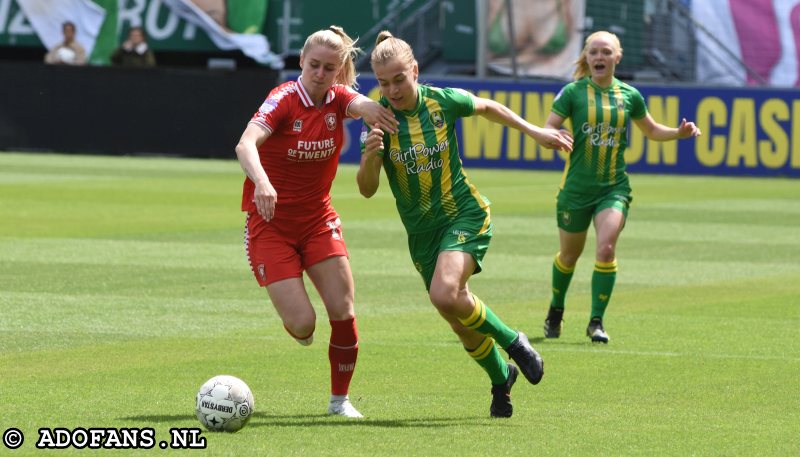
(124, 286)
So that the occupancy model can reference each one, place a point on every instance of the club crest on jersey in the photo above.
(298, 125)
(437, 119)
(330, 121)
(621, 105)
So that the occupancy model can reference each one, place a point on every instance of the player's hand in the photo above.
(688, 129)
(374, 114)
(374, 141)
(554, 139)
(265, 199)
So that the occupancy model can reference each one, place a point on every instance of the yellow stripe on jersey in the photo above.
(481, 203)
(478, 316)
(424, 177)
(612, 177)
(400, 168)
(605, 267)
(591, 115)
(483, 350)
(603, 150)
(448, 202)
(566, 169)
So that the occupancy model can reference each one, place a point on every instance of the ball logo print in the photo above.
(224, 403)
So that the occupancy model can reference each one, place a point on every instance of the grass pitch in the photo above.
(124, 286)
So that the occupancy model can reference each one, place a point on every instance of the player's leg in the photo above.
(608, 223)
(483, 350)
(450, 294)
(329, 270)
(573, 226)
(276, 266)
(291, 301)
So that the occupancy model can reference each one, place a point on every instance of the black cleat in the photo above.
(501, 395)
(596, 332)
(552, 325)
(527, 359)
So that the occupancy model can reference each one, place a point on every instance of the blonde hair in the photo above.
(388, 47)
(581, 65)
(335, 38)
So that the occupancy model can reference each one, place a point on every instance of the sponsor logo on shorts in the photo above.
(262, 272)
(334, 225)
(566, 218)
(461, 236)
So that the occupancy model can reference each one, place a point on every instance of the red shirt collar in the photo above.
(306, 99)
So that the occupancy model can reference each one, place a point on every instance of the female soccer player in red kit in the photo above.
(290, 151)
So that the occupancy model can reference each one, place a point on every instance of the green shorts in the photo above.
(467, 234)
(574, 214)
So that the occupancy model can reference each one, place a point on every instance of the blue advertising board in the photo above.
(746, 131)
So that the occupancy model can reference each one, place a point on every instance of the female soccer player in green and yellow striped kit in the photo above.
(447, 220)
(594, 186)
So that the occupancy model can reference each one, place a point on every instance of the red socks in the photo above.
(343, 352)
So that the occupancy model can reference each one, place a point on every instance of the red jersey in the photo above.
(302, 152)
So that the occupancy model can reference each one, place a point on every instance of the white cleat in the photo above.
(596, 332)
(343, 407)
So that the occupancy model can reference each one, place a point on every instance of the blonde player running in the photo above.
(595, 186)
(447, 220)
(290, 152)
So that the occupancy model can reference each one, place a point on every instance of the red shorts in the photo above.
(276, 254)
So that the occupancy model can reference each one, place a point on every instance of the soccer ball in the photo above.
(224, 403)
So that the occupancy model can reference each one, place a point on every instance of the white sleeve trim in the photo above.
(263, 125)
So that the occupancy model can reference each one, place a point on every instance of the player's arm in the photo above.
(264, 196)
(373, 113)
(369, 172)
(554, 121)
(659, 132)
(497, 112)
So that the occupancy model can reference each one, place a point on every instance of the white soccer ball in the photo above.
(224, 403)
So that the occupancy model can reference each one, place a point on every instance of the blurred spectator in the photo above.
(134, 52)
(70, 52)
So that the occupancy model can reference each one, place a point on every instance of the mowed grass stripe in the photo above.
(123, 281)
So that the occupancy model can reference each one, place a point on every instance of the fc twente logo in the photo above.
(330, 121)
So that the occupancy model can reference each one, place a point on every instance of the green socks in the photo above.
(562, 275)
(484, 321)
(603, 278)
(489, 358)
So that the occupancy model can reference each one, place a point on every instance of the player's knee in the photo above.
(300, 327)
(445, 299)
(568, 259)
(606, 252)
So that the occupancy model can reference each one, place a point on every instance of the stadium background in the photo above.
(196, 102)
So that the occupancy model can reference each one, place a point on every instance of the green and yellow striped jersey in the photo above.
(600, 120)
(423, 164)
